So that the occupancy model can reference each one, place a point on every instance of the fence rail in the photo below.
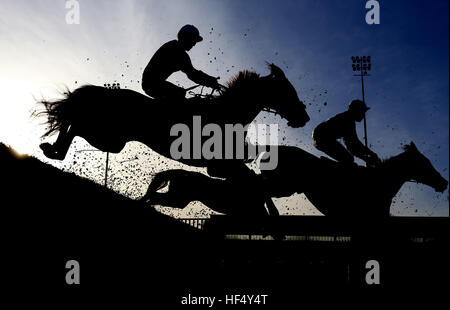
(321, 228)
(198, 223)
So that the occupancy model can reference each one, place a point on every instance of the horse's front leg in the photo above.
(273, 211)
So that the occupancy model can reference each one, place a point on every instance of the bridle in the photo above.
(221, 90)
(201, 95)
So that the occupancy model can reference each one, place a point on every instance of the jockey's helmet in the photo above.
(358, 106)
(189, 32)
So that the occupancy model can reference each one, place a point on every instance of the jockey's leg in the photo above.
(173, 92)
(164, 90)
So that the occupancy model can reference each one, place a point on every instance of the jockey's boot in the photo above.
(50, 151)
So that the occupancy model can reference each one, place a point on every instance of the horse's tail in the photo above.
(57, 112)
(72, 105)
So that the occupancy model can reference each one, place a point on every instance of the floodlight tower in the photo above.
(362, 65)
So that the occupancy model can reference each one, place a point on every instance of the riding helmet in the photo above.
(358, 105)
(189, 32)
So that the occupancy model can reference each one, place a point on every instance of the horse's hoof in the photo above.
(50, 152)
(144, 200)
(45, 146)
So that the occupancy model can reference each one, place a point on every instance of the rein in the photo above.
(221, 92)
(201, 95)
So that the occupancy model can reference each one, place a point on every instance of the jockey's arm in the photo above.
(202, 78)
(198, 76)
(355, 146)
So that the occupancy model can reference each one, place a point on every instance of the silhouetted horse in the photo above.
(109, 118)
(236, 196)
(341, 191)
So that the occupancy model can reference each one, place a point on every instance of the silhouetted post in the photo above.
(106, 169)
(109, 86)
(107, 163)
(362, 64)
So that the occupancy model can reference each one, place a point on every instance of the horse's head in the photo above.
(423, 171)
(283, 98)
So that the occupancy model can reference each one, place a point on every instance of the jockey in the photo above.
(170, 58)
(326, 134)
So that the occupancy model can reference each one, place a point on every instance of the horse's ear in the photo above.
(275, 71)
(413, 146)
(269, 65)
(410, 147)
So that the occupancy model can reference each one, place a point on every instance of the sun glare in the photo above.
(17, 129)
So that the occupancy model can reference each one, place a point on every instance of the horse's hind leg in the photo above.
(158, 182)
(172, 198)
(271, 208)
(64, 140)
(167, 200)
(59, 149)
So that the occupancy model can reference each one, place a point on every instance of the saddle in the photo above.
(193, 100)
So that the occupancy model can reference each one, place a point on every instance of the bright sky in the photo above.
(311, 40)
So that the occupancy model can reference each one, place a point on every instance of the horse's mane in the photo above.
(242, 77)
(408, 147)
(241, 80)
(387, 162)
